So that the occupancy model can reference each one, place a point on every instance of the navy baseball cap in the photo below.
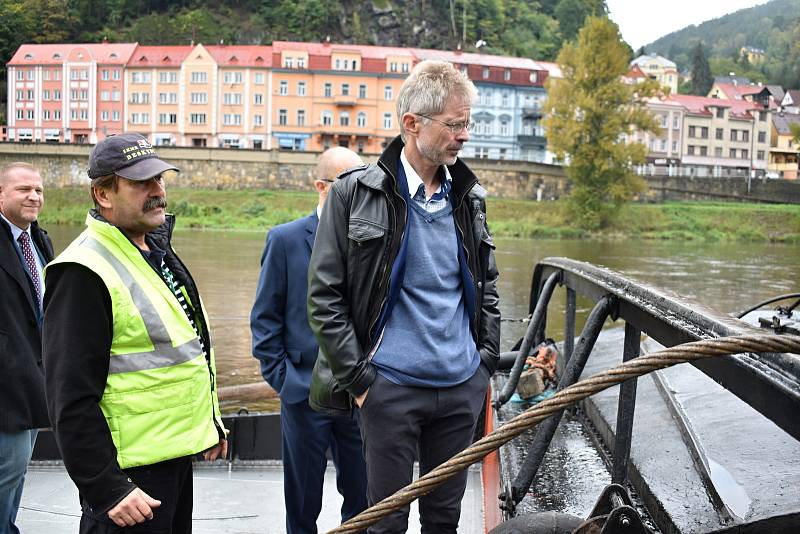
(129, 155)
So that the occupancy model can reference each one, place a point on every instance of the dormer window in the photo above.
(28, 56)
(113, 55)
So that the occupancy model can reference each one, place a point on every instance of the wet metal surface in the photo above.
(245, 500)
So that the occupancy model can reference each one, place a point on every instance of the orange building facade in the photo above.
(290, 95)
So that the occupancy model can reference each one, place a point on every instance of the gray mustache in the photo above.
(153, 203)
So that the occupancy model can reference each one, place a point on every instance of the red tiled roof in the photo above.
(159, 56)
(325, 49)
(737, 92)
(635, 72)
(241, 55)
(55, 54)
(699, 105)
(484, 60)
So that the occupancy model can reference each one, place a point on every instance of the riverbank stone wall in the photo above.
(64, 165)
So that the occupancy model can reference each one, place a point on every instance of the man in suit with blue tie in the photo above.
(24, 251)
(287, 350)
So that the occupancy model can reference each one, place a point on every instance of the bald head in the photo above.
(335, 161)
(331, 164)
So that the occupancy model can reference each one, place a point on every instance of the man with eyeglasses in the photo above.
(128, 360)
(402, 298)
(287, 350)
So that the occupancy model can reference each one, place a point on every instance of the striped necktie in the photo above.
(30, 260)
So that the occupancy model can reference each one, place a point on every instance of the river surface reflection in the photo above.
(725, 276)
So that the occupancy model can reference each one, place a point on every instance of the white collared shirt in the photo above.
(414, 182)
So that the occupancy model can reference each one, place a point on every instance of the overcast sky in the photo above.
(643, 21)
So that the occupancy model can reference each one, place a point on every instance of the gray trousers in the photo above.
(400, 422)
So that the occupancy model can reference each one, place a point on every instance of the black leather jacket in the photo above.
(358, 239)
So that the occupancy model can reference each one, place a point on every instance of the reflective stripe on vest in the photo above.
(163, 353)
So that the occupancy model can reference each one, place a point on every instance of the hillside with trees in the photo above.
(773, 27)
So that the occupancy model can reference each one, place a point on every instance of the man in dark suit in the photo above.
(283, 342)
(24, 251)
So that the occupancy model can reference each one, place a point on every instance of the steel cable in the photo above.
(696, 350)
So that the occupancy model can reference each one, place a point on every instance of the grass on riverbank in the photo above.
(262, 209)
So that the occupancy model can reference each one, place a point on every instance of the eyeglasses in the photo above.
(327, 180)
(454, 128)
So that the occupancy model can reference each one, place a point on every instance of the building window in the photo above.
(232, 119)
(46, 74)
(301, 63)
(258, 99)
(762, 116)
(718, 151)
(733, 135)
(258, 120)
(732, 153)
(20, 76)
(344, 118)
(115, 75)
(720, 113)
(760, 154)
(361, 119)
(46, 114)
(116, 96)
(283, 117)
(288, 63)
(387, 121)
(745, 153)
(719, 133)
(115, 115)
(362, 91)
(30, 116)
(504, 100)
(199, 98)
(20, 114)
(46, 94)
(404, 68)
(301, 88)
(167, 98)
(690, 150)
(105, 75)
(328, 90)
(663, 145)
(168, 77)
(232, 77)
(393, 66)
(674, 146)
(675, 122)
(507, 74)
(232, 99)
(745, 136)
(197, 118)
(703, 151)
(503, 127)
(485, 72)
(105, 96)
(704, 132)
(327, 118)
(762, 137)
(167, 118)
(388, 94)
(301, 117)
(259, 78)
(199, 77)
(345, 89)
(134, 118)
(692, 131)
(283, 88)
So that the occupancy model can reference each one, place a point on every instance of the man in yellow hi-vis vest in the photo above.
(129, 365)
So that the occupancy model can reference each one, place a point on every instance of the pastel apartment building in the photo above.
(658, 68)
(706, 136)
(289, 95)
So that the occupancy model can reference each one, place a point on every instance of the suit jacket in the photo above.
(282, 339)
(21, 376)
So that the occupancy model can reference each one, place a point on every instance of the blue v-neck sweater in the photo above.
(427, 340)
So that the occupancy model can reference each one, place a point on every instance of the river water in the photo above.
(728, 277)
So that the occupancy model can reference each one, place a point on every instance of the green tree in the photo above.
(588, 113)
(701, 72)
